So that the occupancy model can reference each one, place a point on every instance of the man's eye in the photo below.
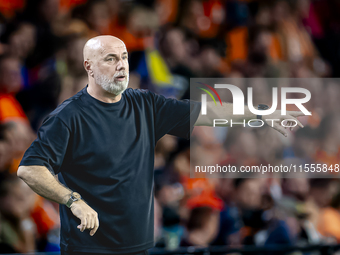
(110, 59)
(124, 57)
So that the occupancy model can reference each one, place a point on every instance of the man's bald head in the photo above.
(97, 45)
(106, 63)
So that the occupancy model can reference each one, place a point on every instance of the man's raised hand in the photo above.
(290, 117)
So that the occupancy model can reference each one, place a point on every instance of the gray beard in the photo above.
(110, 85)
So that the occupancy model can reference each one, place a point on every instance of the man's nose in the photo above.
(120, 65)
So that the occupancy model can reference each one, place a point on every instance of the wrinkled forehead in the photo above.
(97, 48)
(112, 49)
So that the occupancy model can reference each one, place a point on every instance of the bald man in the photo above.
(101, 144)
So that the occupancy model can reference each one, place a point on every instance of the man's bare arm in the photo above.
(41, 181)
(226, 112)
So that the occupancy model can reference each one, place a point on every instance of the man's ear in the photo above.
(88, 67)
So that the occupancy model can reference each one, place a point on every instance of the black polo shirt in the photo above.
(105, 152)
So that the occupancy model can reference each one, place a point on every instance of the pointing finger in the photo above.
(298, 122)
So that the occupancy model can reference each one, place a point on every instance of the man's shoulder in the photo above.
(140, 96)
(137, 92)
(68, 108)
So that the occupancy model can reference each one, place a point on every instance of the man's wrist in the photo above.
(261, 107)
(73, 197)
(66, 198)
(76, 203)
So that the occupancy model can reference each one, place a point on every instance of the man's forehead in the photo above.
(114, 49)
(103, 45)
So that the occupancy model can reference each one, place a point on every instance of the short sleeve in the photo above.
(50, 146)
(175, 117)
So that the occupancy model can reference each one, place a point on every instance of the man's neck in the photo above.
(100, 94)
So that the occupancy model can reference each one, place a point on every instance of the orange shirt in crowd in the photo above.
(10, 109)
(323, 157)
(44, 215)
(237, 41)
(201, 193)
(9, 7)
(67, 5)
(167, 11)
(329, 223)
(209, 25)
(297, 44)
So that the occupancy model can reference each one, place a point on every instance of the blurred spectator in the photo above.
(297, 43)
(323, 23)
(178, 50)
(202, 227)
(202, 17)
(6, 148)
(164, 147)
(41, 14)
(297, 188)
(329, 141)
(17, 227)
(240, 218)
(241, 147)
(10, 84)
(73, 74)
(20, 39)
(329, 222)
(18, 134)
(305, 144)
(322, 191)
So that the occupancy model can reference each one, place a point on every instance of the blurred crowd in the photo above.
(169, 42)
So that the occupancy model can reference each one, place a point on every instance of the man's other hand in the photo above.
(290, 116)
(88, 217)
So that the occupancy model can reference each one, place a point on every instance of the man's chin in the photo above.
(118, 92)
(118, 89)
